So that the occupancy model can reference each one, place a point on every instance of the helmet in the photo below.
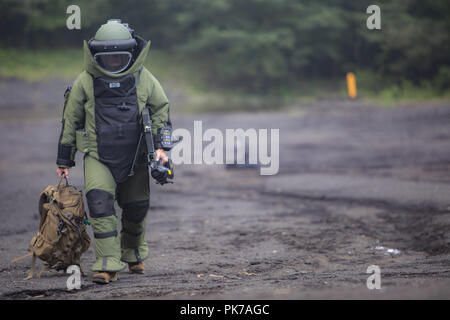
(112, 46)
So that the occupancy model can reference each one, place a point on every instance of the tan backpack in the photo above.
(62, 237)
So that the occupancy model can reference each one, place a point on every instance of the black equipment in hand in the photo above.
(162, 173)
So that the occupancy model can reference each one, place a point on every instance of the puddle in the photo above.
(388, 250)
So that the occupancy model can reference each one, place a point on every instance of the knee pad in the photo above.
(135, 211)
(100, 203)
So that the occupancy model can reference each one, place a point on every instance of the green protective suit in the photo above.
(102, 190)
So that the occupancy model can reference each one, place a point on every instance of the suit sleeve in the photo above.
(159, 107)
(72, 119)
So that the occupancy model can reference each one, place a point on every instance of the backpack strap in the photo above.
(22, 257)
(43, 199)
(59, 182)
(33, 264)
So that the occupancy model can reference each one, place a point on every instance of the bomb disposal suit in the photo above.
(102, 118)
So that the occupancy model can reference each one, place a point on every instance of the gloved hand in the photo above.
(161, 154)
(64, 172)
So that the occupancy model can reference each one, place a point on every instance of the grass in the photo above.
(188, 79)
(387, 92)
(35, 66)
(406, 92)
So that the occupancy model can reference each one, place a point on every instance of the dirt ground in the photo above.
(355, 180)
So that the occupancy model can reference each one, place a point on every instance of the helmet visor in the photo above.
(113, 62)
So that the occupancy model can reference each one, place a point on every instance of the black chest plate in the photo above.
(117, 123)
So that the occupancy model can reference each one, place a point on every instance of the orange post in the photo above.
(351, 85)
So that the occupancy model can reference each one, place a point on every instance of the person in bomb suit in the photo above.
(102, 118)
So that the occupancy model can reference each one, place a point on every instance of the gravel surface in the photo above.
(355, 180)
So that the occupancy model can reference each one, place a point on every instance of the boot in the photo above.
(136, 267)
(105, 277)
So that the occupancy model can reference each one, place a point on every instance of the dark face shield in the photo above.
(114, 62)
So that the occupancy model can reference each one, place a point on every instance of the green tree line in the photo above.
(260, 45)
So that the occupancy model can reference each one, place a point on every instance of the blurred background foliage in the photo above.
(253, 46)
